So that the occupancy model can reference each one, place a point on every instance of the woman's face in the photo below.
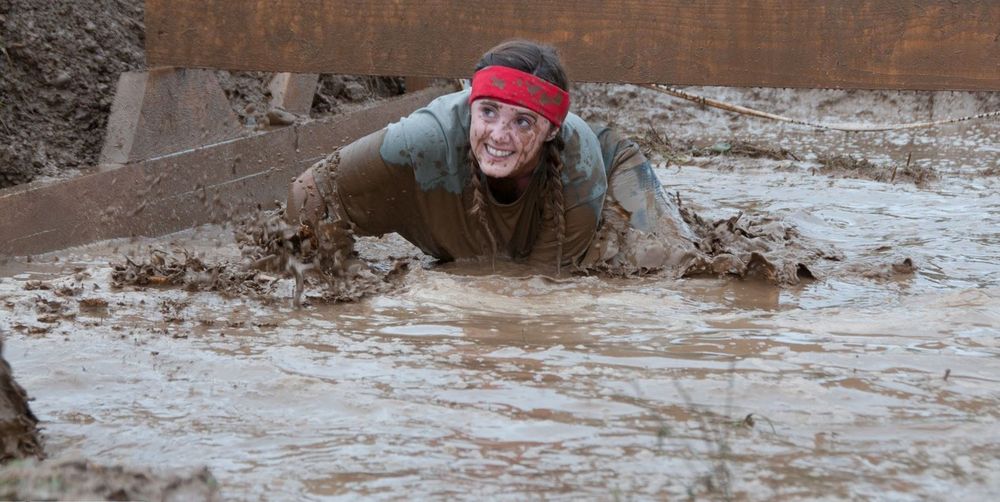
(507, 139)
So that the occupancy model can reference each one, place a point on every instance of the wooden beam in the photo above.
(890, 44)
(162, 195)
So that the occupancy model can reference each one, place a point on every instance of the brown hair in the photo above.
(541, 61)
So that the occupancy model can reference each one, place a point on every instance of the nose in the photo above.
(501, 131)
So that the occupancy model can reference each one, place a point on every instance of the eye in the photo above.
(488, 111)
(525, 122)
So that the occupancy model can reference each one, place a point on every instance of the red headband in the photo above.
(516, 87)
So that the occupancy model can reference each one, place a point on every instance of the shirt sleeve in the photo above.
(359, 186)
(584, 187)
(433, 142)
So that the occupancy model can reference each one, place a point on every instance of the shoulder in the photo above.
(434, 141)
(584, 178)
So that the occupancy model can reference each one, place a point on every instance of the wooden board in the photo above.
(166, 194)
(879, 44)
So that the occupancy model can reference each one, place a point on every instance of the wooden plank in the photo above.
(892, 44)
(177, 191)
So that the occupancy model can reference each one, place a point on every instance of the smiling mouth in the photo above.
(498, 153)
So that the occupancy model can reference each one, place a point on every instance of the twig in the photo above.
(6, 54)
(892, 178)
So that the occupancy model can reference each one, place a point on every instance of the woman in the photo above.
(500, 169)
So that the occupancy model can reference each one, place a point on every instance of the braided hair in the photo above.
(541, 61)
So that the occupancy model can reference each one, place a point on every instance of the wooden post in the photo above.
(293, 92)
(166, 110)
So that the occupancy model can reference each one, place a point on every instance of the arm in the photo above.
(354, 186)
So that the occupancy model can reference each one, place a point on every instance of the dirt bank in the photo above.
(677, 132)
(19, 436)
(83, 480)
(59, 64)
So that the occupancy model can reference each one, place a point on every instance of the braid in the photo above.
(556, 199)
(478, 209)
(543, 62)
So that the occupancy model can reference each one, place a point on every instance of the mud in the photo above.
(678, 132)
(19, 435)
(511, 385)
(847, 166)
(739, 246)
(742, 148)
(83, 480)
(249, 96)
(323, 262)
(25, 474)
(179, 268)
(59, 65)
(763, 248)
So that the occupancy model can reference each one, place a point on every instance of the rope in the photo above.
(832, 127)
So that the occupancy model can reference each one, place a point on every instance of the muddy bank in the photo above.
(689, 152)
(19, 436)
(59, 65)
(84, 480)
(676, 132)
(249, 96)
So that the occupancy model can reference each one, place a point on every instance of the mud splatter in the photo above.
(848, 166)
(742, 148)
(750, 246)
(323, 257)
(883, 268)
(745, 246)
(180, 268)
(323, 260)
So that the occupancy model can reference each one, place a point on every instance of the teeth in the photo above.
(497, 153)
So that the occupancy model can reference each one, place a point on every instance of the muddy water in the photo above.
(463, 385)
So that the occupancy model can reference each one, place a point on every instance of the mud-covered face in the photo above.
(507, 139)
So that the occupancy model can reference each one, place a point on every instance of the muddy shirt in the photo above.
(413, 178)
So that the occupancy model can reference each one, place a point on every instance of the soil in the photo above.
(84, 480)
(19, 437)
(59, 65)
(676, 132)
(249, 96)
